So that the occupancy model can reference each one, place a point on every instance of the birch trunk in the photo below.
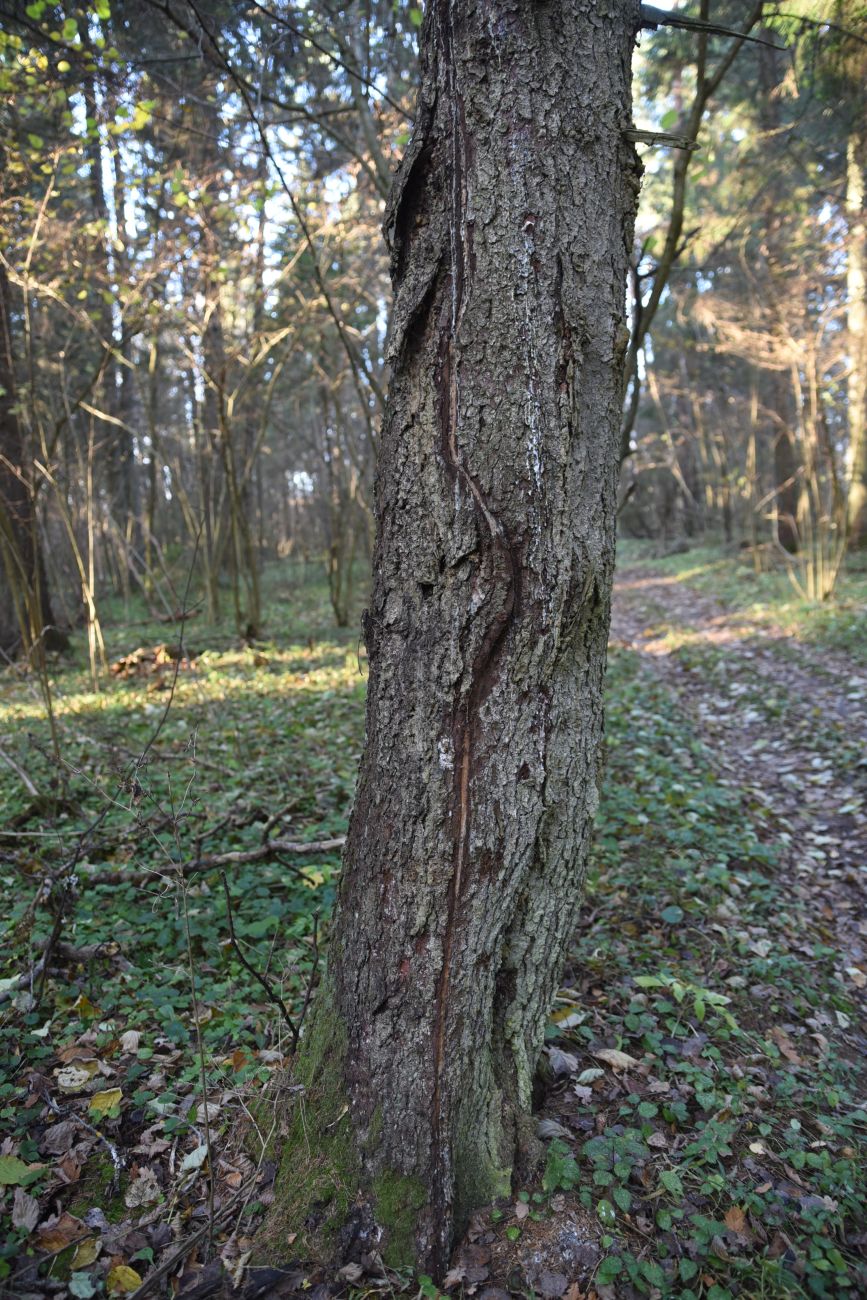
(510, 224)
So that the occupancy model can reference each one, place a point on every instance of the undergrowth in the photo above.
(718, 1146)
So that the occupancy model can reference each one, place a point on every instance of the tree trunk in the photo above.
(510, 225)
(20, 550)
(856, 286)
(786, 466)
(779, 397)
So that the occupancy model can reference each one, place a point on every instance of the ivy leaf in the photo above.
(609, 1269)
(606, 1212)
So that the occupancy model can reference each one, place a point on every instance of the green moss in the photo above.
(93, 1189)
(319, 1176)
(374, 1132)
(397, 1201)
(319, 1169)
(484, 1152)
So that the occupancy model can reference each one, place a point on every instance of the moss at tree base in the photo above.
(397, 1202)
(321, 1210)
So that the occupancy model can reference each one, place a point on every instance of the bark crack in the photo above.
(505, 567)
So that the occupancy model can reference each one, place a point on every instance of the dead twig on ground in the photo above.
(219, 861)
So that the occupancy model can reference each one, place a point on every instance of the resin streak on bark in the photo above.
(509, 228)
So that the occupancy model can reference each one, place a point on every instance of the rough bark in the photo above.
(510, 225)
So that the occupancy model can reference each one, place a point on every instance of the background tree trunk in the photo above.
(856, 285)
(779, 398)
(20, 548)
(510, 225)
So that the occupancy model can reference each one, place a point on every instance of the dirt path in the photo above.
(785, 722)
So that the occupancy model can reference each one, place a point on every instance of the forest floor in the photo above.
(704, 1111)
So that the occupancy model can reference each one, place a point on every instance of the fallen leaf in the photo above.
(562, 1062)
(195, 1159)
(86, 1252)
(82, 1286)
(58, 1139)
(69, 1169)
(122, 1279)
(25, 1210)
(786, 1046)
(59, 1232)
(617, 1060)
(736, 1220)
(143, 1190)
(72, 1078)
(85, 1008)
(102, 1102)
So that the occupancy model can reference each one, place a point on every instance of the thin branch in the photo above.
(329, 54)
(20, 773)
(239, 857)
(652, 17)
(242, 85)
(270, 992)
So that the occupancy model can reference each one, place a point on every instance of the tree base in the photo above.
(322, 1208)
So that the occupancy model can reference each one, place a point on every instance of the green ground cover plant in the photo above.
(703, 1079)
